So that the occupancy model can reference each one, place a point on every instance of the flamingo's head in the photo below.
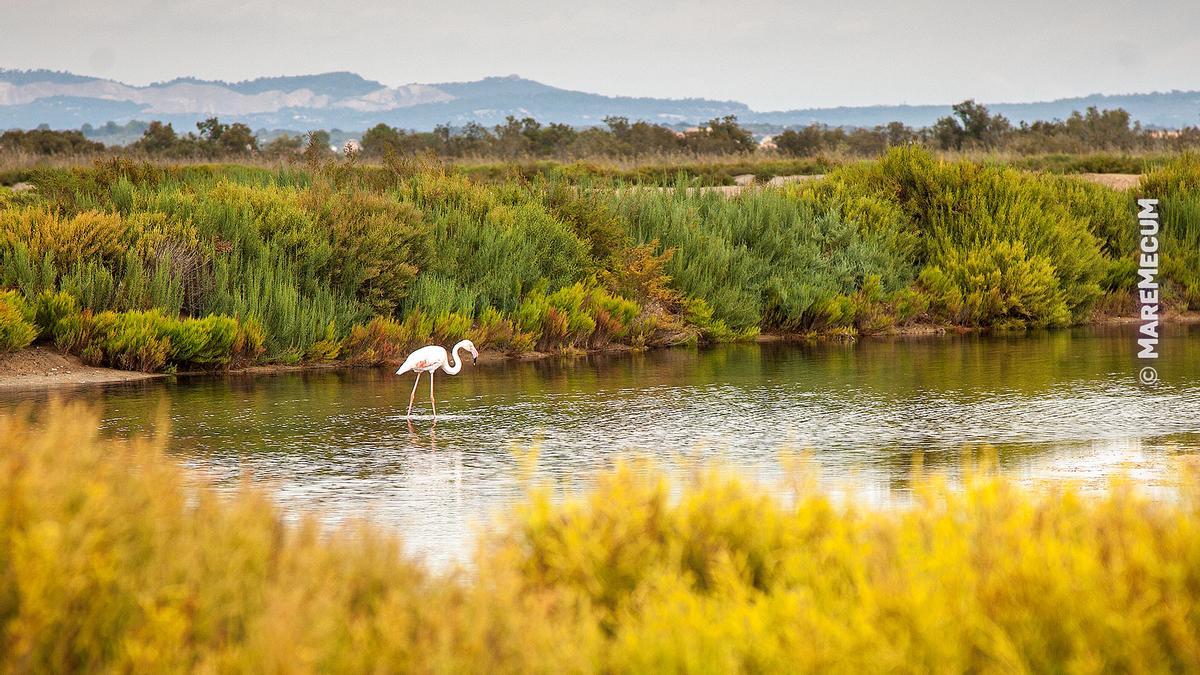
(474, 352)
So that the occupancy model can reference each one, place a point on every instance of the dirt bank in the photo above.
(1116, 181)
(39, 367)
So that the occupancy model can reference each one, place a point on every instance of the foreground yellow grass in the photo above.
(109, 561)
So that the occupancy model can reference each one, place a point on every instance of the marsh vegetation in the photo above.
(152, 267)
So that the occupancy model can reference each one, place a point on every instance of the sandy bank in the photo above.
(40, 367)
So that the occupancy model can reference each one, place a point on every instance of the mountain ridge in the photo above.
(348, 101)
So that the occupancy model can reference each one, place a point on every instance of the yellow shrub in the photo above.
(70, 239)
(107, 562)
(16, 328)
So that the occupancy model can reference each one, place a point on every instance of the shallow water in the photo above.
(1057, 406)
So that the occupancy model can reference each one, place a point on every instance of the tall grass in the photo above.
(1177, 186)
(764, 259)
(112, 559)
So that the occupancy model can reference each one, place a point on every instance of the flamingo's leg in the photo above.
(432, 401)
(413, 395)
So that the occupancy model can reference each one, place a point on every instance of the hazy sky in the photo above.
(770, 54)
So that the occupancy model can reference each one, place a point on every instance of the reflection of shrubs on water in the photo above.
(365, 263)
(112, 559)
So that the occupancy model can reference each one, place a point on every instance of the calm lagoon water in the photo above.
(1057, 406)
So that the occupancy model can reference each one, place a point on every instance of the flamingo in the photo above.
(427, 360)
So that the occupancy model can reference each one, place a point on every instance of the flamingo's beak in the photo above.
(474, 360)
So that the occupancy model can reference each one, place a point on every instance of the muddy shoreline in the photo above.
(43, 367)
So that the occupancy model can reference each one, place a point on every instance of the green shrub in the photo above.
(574, 317)
(700, 315)
(128, 340)
(615, 317)
(90, 235)
(994, 286)
(51, 308)
(150, 341)
(16, 329)
(207, 341)
(450, 328)
(30, 275)
(326, 348)
(985, 230)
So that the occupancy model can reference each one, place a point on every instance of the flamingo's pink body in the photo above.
(428, 360)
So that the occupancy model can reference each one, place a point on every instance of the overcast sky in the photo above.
(771, 54)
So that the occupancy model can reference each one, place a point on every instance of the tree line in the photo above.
(971, 126)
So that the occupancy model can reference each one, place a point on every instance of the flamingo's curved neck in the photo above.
(453, 369)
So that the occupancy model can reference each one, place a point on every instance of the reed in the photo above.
(1177, 187)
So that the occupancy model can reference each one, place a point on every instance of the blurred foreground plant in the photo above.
(112, 558)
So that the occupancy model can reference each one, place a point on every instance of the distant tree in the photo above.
(379, 140)
(1108, 129)
(471, 139)
(554, 139)
(284, 146)
(973, 117)
(867, 142)
(515, 137)
(947, 134)
(211, 129)
(158, 139)
(898, 133)
(45, 141)
(596, 142)
(970, 125)
(617, 126)
(721, 136)
(809, 141)
(645, 138)
(640, 138)
(237, 139)
(816, 139)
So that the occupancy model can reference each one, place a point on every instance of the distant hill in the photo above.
(335, 85)
(1170, 110)
(343, 100)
